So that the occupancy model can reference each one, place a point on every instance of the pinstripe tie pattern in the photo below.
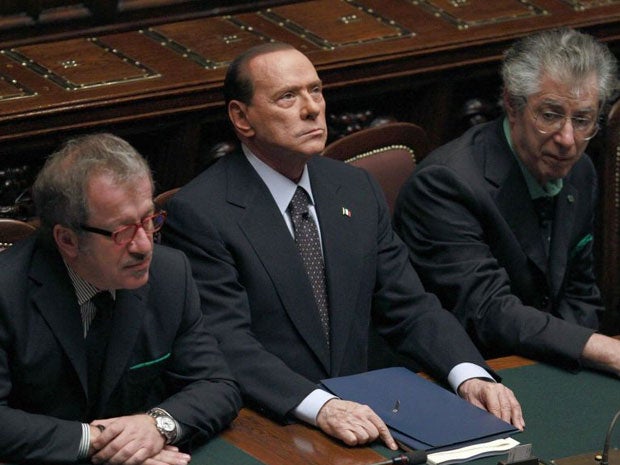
(307, 239)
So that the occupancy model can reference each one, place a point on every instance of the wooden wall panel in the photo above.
(351, 42)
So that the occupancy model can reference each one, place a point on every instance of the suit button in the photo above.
(544, 302)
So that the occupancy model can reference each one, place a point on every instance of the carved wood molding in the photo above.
(610, 195)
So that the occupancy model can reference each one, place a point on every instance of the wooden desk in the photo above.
(565, 413)
(255, 440)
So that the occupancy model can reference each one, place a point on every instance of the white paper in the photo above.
(464, 454)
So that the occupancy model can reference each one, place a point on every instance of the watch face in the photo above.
(165, 423)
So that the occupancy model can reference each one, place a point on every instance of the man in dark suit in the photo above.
(120, 376)
(286, 316)
(499, 221)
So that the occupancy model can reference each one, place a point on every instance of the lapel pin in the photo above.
(570, 198)
(346, 212)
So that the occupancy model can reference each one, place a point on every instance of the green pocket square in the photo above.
(581, 244)
(151, 362)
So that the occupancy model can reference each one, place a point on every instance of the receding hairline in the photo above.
(239, 80)
(262, 52)
(265, 49)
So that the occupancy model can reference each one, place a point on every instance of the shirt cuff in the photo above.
(464, 371)
(84, 442)
(309, 408)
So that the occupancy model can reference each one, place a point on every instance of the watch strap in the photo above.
(169, 436)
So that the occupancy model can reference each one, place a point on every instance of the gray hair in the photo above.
(562, 54)
(59, 192)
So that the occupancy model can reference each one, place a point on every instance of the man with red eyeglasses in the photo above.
(499, 221)
(104, 355)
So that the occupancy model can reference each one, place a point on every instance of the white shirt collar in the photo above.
(282, 188)
(83, 289)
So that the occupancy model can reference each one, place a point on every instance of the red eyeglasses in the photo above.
(125, 234)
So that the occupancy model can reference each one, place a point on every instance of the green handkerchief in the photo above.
(581, 244)
(151, 362)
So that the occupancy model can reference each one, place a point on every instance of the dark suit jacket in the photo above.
(258, 299)
(159, 355)
(470, 223)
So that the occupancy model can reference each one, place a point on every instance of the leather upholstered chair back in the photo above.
(389, 152)
(12, 230)
(610, 230)
(160, 204)
(163, 197)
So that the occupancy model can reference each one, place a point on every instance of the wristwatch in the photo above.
(164, 423)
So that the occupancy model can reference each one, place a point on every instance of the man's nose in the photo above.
(566, 134)
(311, 107)
(142, 242)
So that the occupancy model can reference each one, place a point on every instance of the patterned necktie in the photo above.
(97, 343)
(307, 239)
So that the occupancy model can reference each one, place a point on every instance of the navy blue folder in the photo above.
(420, 414)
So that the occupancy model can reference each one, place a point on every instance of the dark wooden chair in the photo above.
(610, 230)
(160, 204)
(12, 231)
(163, 197)
(389, 152)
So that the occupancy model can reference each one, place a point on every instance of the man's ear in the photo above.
(66, 240)
(237, 112)
(509, 108)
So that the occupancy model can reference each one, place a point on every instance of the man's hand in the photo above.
(133, 440)
(353, 423)
(95, 431)
(495, 398)
(169, 455)
(603, 353)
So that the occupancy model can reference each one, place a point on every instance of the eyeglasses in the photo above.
(125, 234)
(547, 122)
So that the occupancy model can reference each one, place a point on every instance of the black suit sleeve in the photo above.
(205, 396)
(440, 218)
(410, 318)
(197, 389)
(581, 300)
(28, 437)
(265, 380)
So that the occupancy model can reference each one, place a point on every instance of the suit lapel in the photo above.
(128, 318)
(266, 230)
(55, 299)
(562, 226)
(513, 200)
(338, 234)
